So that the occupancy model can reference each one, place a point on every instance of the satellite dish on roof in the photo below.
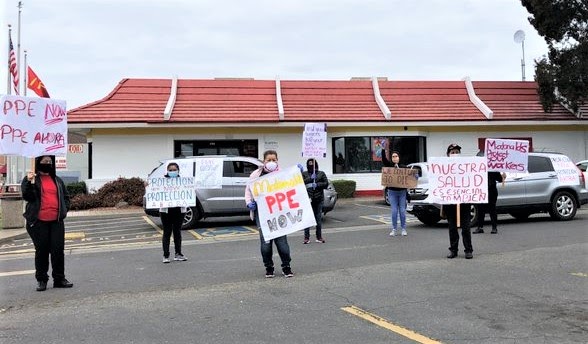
(519, 36)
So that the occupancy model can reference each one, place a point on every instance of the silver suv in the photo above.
(523, 194)
(230, 199)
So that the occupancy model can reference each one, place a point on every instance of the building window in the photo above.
(364, 154)
(218, 147)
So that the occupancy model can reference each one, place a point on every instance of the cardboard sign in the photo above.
(399, 177)
(457, 180)
(507, 155)
(282, 201)
(33, 126)
(314, 140)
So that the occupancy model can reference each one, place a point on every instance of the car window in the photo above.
(539, 164)
(582, 166)
(243, 168)
(228, 170)
(418, 168)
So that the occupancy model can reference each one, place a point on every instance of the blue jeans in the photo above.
(397, 200)
(267, 249)
(317, 209)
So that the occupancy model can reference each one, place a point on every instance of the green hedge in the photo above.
(78, 188)
(344, 188)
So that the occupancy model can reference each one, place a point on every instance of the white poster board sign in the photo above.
(209, 173)
(314, 140)
(458, 180)
(567, 172)
(32, 126)
(507, 155)
(170, 192)
(282, 201)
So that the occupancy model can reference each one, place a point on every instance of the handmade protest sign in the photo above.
(209, 173)
(314, 140)
(399, 177)
(163, 192)
(32, 127)
(507, 155)
(566, 170)
(283, 205)
(457, 180)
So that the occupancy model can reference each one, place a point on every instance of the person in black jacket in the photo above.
(493, 178)
(396, 196)
(47, 206)
(316, 182)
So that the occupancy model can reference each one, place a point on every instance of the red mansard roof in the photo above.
(248, 100)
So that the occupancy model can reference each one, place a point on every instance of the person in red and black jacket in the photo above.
(47, 206)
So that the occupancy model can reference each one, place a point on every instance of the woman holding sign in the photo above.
(47, 206)
(270, 164)
(396, 196)
(171, 220)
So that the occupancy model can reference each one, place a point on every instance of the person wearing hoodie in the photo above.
(270, 165)
(316, 182)
(47, 204)
(171, 220)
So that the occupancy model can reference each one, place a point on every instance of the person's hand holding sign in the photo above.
(252, 206)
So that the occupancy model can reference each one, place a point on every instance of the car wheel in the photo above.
(473, 216)
(191, 218)
(520, 215)
(430, 219)
(563, 206)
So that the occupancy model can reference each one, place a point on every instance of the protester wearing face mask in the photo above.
(47, 206)
(396, 196)
(316, 182)
(450, 210)
(270, 164)
(171, 220)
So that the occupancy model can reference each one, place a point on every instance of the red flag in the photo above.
(35, 84)
(12, 65)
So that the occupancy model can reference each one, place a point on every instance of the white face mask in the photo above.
(271, 166)
(454, 155)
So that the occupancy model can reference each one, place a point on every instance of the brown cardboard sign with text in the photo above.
(399, 177)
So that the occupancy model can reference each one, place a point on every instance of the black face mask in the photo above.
(45, 168)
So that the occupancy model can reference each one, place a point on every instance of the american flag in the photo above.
(12, 65)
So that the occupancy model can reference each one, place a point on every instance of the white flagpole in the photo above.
(25, 76)
(18, 46)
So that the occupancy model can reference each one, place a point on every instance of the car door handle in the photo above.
(552, 175)
(240, 183)
(518, 178)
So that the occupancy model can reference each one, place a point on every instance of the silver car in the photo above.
(230, 199)
(523, 194)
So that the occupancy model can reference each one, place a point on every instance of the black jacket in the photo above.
(31, 193)
(388, 163)
(316, 194)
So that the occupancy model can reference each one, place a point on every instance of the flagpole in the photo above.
(18, 44)
(8, 75)
(26, 74)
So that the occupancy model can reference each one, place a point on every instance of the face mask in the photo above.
(271, 166)
(454, 155)
(45, 168)
(172, 174)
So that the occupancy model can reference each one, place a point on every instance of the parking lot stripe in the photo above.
(389, 326)
(16, 273)
(74, 235)
(195, 235)
(579, 274)
(148, 220)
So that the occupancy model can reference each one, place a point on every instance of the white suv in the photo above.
(523, 194)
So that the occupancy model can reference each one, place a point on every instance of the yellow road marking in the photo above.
(195, 234)
(579, 274)
(148, 220)
(16, 273)
(389, 326)
(75, 235)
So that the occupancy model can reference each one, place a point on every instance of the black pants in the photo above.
(466, 236)
(49, 239)
(490, 208)
(172, 223)
(317, 210)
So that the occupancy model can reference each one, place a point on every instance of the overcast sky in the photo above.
(82, 49)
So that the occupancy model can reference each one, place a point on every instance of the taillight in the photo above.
(582, 179)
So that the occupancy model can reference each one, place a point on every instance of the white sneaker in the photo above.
(165, 260)
(393, 233)
(404, 232)
(180, 258)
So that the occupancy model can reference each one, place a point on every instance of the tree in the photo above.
(562, 76)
